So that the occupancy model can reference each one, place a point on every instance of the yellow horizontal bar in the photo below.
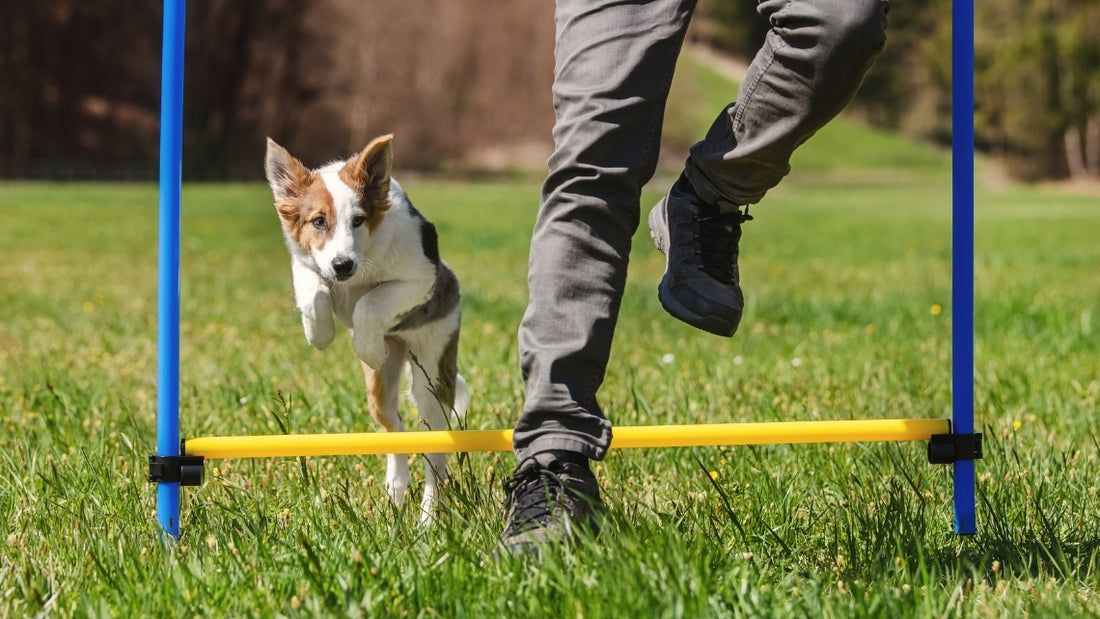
(696, 435)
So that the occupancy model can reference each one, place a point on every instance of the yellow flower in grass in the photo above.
(1016, 424)
(936, 309)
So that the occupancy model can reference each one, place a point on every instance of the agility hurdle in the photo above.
(625, 437)
(181, 462)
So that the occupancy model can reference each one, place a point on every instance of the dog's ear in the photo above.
(368, 173)
(286, 175)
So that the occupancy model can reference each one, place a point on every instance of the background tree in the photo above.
(465, 85)
(77, 82)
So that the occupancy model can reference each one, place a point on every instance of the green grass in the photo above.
(847, 274)
(842, 270)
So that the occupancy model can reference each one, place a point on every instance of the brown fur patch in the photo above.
(317, 202)
(313, 200)
(368, 175)
(300, 198)
(376, 396)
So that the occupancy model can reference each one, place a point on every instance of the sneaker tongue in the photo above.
(718, 243)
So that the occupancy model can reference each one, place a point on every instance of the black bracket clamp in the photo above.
(184, 470)
(951, 448)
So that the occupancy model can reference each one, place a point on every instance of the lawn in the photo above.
(847, 274)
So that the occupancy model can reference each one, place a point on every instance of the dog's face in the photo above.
(330, 213)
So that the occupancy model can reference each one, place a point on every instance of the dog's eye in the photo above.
(357, 221)
(319, 223)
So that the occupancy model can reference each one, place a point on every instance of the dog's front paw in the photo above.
(371, 349)
(315, 305)
(319, 333)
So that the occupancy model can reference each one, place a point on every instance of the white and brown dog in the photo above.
(361, 251)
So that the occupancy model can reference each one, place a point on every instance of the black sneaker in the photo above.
(701, 285)
(550, 503)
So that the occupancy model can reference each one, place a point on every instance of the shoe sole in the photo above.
(710, 324)
(658, 227)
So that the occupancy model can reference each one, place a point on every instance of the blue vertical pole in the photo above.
(962, 262)
(168, 286)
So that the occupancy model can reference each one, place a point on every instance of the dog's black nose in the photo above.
(343, 267)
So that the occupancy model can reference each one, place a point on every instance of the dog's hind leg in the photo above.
(434, 388)
(383, 391)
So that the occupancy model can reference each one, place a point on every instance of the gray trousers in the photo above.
(613, 67)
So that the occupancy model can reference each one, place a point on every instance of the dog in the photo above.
(361, 252)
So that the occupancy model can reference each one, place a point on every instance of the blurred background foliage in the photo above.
(466, 85)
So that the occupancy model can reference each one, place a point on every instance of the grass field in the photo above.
(847, 273)
(848, 317)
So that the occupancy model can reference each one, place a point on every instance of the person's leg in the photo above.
(614, 66)
(812, 62)
(811, 65)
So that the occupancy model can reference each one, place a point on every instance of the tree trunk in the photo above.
(1075, 152)
(1092, 146)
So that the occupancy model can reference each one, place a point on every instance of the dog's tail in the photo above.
(462, 402)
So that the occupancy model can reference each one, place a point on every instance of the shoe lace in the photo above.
(718, 236)
(532, 492)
